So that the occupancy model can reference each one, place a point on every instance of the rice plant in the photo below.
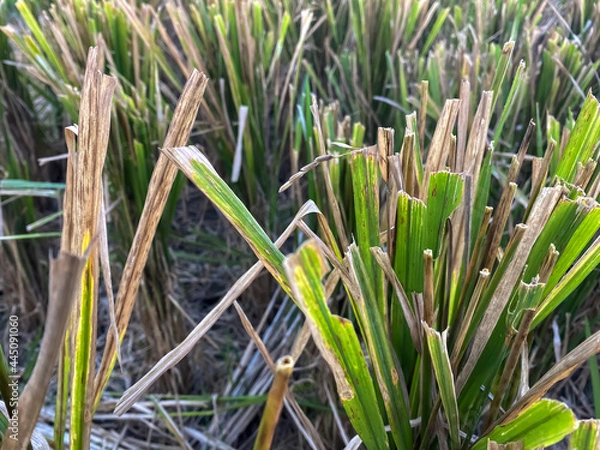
(443, 295)
(444, 298)
(72, 328)
(141, 112)
(24, 126)
(378, 53)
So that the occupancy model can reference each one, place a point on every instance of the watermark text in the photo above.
(13, 368)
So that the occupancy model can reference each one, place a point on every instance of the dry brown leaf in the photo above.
(511, 363)
(463, 124)
(161, 182)
(478, 138)
(83, 201)
(254, 336)
(440, 143)
(544, 206)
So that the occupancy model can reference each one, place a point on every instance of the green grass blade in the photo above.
(62, 392)
(336, 339)
(573, 278)
(440, 361)
(586, 436)
(564, 219)
(80, 395)
(513, 94)
(40, 36)
(587, 229)
(501, 70)
(19, 237)
(366, 208)
(435, 29)
(408, 259)
(5, 381)
(388, 372)
(544, 423)
(199, 170)
(583, 139)
(481, 196)
(445, 194)
(26, 185)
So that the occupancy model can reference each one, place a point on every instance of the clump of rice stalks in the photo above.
(142, 110)
(82, 223)
(250, 51)
(444, 291)
(24, 136)
(378, 53)
(73, 296)
(161, 183)
(254, 51)
(79, 387)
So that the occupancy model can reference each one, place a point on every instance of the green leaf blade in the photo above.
(336, 339)
(445, 195)
(440, 361)
(586, 436)
(385, 366)
(544, 423)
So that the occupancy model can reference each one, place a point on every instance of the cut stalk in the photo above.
(266, 430)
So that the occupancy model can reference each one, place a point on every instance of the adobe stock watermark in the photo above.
(13, 364)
